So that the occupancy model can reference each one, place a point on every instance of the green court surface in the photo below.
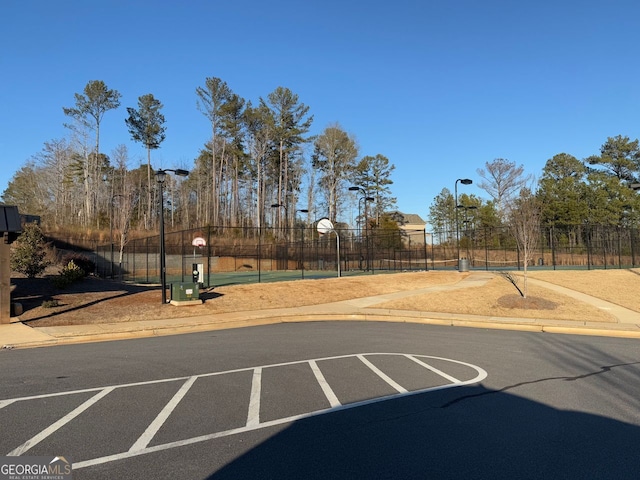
(215, 279)
(239, 278)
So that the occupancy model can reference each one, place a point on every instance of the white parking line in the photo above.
(434, 369)
(328, 392)
(4, 403)
(280, 421)
(153, 428)
(60, 423)
(253, 415)
(382, 375)
(141, 446)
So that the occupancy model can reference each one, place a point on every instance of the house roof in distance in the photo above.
(410, 218)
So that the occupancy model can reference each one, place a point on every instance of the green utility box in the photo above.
(184, 292)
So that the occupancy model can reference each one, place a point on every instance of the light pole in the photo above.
(466, 220)
(366, 199)
(366, 225)
(286, 213)
(464, 181)
(161, 175)
(302, 210)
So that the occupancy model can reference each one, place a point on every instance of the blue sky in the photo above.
(438, 87)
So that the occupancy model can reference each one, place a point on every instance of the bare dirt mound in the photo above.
(516, 301)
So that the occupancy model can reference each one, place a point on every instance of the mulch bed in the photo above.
(532, 303)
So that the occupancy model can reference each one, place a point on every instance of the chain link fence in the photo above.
(250, 255)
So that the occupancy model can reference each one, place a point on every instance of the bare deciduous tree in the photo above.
(524, 221)
(501, 180)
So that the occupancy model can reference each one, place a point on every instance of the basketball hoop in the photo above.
(324, 226)
(199, 242)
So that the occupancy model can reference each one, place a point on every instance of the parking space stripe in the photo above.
(382, 375)
(253, 422)
(153, 428)
(253, 416)
(434, 369)
(270, 423)
(5, 403)
(328, 392)
(60, 423)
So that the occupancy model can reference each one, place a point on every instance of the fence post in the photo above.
(589, 233)
(619, 247)
(259, 252)
(553, 246)
(633, 257)
(208, 256)
(486, 250)
(146, 249)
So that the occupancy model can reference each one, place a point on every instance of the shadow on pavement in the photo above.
(470, 432)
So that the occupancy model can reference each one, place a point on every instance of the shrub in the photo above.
(70, 273)
(50, 303)
(85, 263)
(29, 254)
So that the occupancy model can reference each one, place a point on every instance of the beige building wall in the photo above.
(414, 227)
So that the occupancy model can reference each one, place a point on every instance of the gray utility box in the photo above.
(183, 292)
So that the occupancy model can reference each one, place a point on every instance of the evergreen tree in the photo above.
(89, 111)
(442, 216)
(562, 191)
(620, 157)
(258, 122)
(146, 125)
(211, 100)
(28, 255)
(375, 173)
(334, 157)
(291, 122)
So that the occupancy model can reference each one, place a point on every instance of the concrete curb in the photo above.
(117, 331)
(18, 335)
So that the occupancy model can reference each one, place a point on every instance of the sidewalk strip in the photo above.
(153, 428)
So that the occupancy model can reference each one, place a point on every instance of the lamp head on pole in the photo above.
(466, 181)
(161, 175)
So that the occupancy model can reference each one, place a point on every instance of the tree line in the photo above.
(258, 165)
(569, 195)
